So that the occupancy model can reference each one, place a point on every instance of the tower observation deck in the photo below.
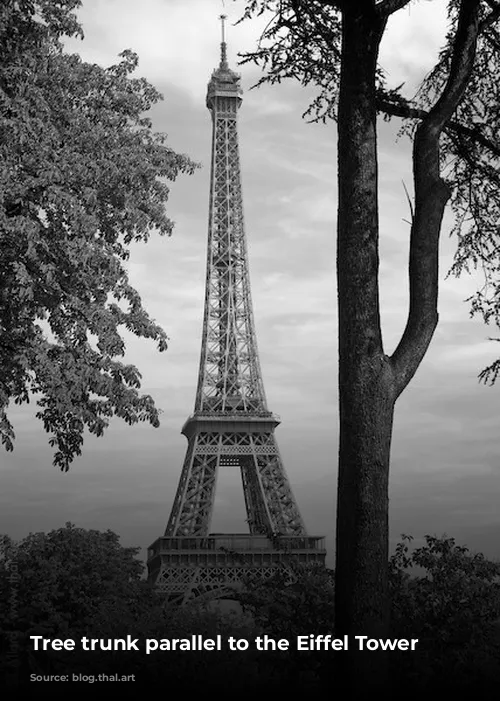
(231, 426)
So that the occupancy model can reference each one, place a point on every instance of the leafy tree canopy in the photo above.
(452, 606)
(82, 176)
(68, 578)
(72, 582)
(295, 600)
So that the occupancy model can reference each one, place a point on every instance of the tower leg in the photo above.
(193, 505)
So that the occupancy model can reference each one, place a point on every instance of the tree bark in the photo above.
(366, 382)
(370, 381)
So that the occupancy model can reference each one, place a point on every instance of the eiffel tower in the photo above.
(231, 426)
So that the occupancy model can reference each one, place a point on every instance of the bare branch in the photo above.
(410, 203)
(475, 135)
(407, 111)
(431, 196)
(462, 63)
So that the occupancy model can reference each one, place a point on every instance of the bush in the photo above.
(451, 606)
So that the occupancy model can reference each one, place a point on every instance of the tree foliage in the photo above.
(294, 600)
(68, 578)
(452, 605)
(297, 600)
(303, 41)
(82, 176)
(73, 582)
(440, 593)
(458, 589)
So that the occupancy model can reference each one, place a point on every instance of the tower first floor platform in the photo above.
(216, 566)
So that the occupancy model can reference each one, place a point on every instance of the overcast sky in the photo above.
(445, 474)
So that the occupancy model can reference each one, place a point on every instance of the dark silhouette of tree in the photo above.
(73, 582)
(453, 607)
(82, 176)
(69, 582)
(454, 123)
(297, 601)
(68, 577)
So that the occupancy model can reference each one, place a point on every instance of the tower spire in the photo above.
(223, 45)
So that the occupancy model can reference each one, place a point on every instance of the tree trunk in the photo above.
(369, 381)
(366, 386)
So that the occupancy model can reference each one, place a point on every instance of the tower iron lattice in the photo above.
(231, 425)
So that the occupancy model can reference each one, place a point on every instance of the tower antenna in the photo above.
(223, 48)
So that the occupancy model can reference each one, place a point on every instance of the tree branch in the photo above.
(462, 63)
(406, 111)
(475, 135)
(388, 7)
(431, 196)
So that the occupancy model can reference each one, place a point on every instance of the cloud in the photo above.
(411, 45)
(172, 37)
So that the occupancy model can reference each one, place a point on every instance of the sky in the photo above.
(445, 473)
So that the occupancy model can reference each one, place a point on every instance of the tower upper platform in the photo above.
(224, 82)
